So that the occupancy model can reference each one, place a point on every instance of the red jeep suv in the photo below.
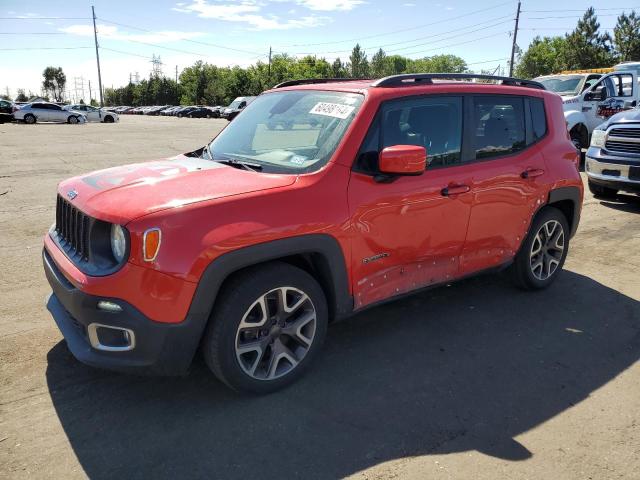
(322, 198)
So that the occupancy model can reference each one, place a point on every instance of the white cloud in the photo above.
(330, 5)
(250, 12)
(112, 32)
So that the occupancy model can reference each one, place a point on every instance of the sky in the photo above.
(36, 34)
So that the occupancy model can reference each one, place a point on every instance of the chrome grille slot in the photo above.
(623, 140)
(625, 132)
(622, 147)
(72, 228)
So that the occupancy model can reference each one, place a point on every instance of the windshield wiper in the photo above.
(252, 167)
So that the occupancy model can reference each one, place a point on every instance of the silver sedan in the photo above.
(47, 112)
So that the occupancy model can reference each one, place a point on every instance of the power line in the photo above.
(396, 31)
(45, 18)
(34, 33)
(569, 16)
(132, 27)
(45, 48)
(465, 29)
(460, 43)
(577, 9)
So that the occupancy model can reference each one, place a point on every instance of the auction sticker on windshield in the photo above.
(332, 110)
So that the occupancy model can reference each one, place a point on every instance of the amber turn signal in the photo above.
(151, 244)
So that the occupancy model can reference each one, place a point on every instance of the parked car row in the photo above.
(191, 111)
(34, 112)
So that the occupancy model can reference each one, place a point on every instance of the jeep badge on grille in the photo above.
(71, 194)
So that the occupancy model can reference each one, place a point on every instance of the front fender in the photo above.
(573, 118)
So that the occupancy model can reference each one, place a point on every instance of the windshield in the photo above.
(294, 131)
(563, 85)
(235, 104)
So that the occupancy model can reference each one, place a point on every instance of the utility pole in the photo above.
(176, 74)
(269, 75)
(95, 37)
(513, 45)
(90, 93)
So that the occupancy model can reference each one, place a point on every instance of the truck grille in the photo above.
(72, 227)
(623, 140)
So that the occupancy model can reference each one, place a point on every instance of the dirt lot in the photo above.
(476, 380)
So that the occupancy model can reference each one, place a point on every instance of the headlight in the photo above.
(118, 242)
(597, 138)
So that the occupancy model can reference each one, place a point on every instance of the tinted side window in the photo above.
(499, 125)
(538, 118)
(38, 105)
(431, 122)
(54, 107)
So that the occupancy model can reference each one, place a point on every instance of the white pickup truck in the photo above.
(591, 98)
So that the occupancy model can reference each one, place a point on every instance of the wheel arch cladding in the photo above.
(318, 254)
(568, 201)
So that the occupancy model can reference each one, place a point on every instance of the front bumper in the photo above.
(158, 348)
(613, 171)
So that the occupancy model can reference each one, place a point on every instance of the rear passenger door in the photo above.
(409, 231)
(507, 166)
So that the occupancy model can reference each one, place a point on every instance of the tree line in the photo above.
(585, 47)
(207, 84)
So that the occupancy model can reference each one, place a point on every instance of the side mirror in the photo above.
(598, 94)
(403, 160)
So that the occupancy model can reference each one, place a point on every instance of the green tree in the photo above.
(626, 37)
(586, 47)
(54, 82)
(21, 97)
(339, 69)
(544, 56)
(379, 66)
(359, 62)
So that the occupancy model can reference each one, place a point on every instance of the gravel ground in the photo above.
(476, 380)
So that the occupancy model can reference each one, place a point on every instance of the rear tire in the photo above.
(601, 191)
(29, 119)
(543, 251)
(267, 326)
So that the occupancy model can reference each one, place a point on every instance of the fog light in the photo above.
(111, 339)
(109, 306)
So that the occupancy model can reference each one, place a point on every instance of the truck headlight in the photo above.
(118, 242)
(597, 138)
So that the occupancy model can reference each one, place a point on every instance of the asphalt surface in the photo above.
(474, 380)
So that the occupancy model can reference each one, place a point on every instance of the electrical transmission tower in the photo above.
(156, 68)
(78, 89)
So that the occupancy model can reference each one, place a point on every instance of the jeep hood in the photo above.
(122, 194)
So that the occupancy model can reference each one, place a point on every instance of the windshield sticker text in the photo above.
(332, 110)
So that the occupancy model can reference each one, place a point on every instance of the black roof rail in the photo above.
(408, 79)
(309, 81)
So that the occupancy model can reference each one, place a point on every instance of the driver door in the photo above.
(620, 91)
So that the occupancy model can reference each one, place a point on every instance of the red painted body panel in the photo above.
(395, 237)
(159, 296)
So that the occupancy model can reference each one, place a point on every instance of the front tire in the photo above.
(602, 192)
(108, 119)
(72, 120)
(543, 251)
(267, 326)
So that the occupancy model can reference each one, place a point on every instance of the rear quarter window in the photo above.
(538, 118)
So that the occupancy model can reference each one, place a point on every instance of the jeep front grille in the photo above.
(623, 140)
(72, 227)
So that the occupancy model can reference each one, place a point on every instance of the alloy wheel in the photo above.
(547, 250)
(276, 333)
